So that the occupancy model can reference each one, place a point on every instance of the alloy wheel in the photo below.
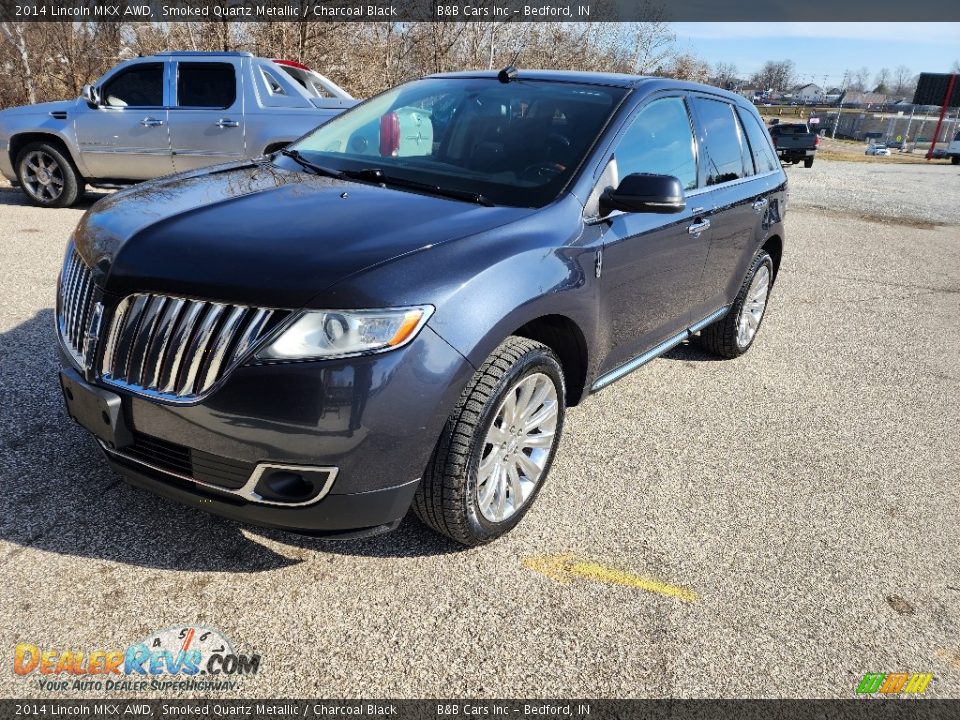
(517, 447)
(42, 176)
(754, 305)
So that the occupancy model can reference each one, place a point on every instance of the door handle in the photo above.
(698, 227)
(151, 122)
(225, 123)
(761, 204)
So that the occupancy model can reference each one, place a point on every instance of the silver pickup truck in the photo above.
(161, 114)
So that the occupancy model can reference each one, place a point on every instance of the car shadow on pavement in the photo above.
(58, 495)
(14, 196)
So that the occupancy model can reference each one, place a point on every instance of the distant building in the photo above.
(809, 93)
(750, 92)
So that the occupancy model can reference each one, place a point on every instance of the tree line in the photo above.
(47, 61)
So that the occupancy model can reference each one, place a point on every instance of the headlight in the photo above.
(319, 334)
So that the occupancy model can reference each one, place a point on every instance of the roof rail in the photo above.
(205, 53)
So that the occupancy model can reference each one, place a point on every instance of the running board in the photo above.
(655, 352)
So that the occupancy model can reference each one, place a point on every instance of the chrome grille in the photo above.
(74, 303)
(178, 348)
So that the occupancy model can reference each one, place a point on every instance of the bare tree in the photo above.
(902, 80)
(776, 75)
(14, 33)
(686, 66)
(861, 78)
(725, 75)
(881, 83)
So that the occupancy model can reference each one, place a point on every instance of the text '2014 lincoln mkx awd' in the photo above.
(397, 309)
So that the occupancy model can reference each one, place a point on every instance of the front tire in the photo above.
(47, 176)
(733, 334)
(497, 446)
(955, 159)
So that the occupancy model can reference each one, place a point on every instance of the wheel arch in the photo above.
(773, 246)
(20, 140)
(562, 335)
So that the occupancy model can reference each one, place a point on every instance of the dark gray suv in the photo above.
(397, 309)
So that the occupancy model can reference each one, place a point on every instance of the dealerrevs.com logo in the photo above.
(186, 657)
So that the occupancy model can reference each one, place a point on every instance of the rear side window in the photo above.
(763, 156)
(206, 85)
(723, 153)
(660, 141)
(138, 86)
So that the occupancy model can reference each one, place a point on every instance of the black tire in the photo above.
(808, 163)
(722, 338)
(61, 169)
(955, 159)
(446, 498)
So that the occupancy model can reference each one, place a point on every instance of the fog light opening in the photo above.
(286, 486)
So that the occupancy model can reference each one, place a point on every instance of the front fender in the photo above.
(14, 126)
(487, 286)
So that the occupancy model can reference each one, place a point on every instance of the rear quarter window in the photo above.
(763, 155)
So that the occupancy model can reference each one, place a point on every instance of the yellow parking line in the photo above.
(563, 568)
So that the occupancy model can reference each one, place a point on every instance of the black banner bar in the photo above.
(476, 10)
(859, 709)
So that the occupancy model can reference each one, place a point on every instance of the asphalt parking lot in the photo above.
(773, 526)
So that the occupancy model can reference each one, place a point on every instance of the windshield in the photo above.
(515, 143)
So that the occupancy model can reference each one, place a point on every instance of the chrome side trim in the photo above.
(247, 491)
(655, 352)
(709, 319)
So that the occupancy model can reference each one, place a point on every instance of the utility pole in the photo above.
(906, 134)
(836, 122)
(843, 92)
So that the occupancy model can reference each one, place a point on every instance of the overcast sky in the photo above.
(819, 49)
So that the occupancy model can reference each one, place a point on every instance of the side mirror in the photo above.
(91, 95)
(642, 192)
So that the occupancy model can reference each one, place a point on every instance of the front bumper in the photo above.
(374, 419)
(339, 515)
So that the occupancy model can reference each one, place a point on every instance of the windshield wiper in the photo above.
(306, 164)
(376, 175)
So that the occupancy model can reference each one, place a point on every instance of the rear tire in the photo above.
(955, 159)
(733, 334)
(808, 163)
(497, 446)
(47, 176)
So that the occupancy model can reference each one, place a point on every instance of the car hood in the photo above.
(259, 234)
(40, 108)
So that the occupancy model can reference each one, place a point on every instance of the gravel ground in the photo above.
(918, 195)
(806, 493)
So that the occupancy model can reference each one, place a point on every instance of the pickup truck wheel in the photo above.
(733, 334)
(47, 177)
(808, 162)
(497, 446)
(955, 159)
